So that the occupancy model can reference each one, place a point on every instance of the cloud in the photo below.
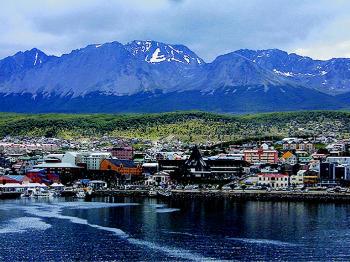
(210, 27)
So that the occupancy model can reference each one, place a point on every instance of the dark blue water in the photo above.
(126, 229)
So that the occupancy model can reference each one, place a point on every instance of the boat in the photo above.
(41, 193)
(68, 192)
(9, 195)
(164, 193)
(80, 194)
(10, 191)
(152, 192)
(26, 194)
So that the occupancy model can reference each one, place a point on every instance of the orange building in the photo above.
(122, 166)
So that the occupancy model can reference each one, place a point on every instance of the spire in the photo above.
(195, 160)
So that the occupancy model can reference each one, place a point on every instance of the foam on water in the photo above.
(158, 205)
(167, 210)
(180, 233)
(172, 252)
(262, 241)
(54, 211)
(23, 224)
(92, 205)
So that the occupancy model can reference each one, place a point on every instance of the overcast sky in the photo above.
(320, 29)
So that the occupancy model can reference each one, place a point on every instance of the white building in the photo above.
(70, 157)
(93, 160)
(273, 180)
(297, 179)
(343, 160)
(157, 179)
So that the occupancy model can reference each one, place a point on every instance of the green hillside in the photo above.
(190, 126)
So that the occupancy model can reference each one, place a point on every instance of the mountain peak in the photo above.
(21, 61)
(157, 52)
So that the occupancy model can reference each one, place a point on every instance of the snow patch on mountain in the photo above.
(156, 57)
(287, 74)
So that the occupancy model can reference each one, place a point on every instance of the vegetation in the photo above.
(192, 126)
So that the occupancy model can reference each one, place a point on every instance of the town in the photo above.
(45, 167)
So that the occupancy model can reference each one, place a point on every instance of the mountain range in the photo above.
(150, 76)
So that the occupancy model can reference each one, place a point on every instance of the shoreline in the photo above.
(236, 195)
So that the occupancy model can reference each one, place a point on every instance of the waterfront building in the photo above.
(149, 169)
(273, 180)
(122, 166)
(298, 179)
(97, 184)
(335, 170)
(199, 168)
(64, 171)
(159, 178)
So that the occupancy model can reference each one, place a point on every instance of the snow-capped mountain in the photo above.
(156, 52)
(21, 62)
(148, 76)
(329, 76)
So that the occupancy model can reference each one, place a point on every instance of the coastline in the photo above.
(237, 195)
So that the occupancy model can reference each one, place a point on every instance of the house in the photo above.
(303, 157)
(298, 144)
(289, 158)
(273, 180)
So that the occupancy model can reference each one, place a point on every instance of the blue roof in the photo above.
(124, 162)
(16, 177)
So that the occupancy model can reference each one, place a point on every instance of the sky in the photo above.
(319, 29)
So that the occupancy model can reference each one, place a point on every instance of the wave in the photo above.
(262, 241)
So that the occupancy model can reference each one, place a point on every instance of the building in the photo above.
(335, 171)
(149, 169)
(122, 166)
(160, 178)
(64, 171)
(273, 180)
(289, 158)
(260, 155)
(70, 157)
(298, 179)
(123, 152)
(298, 144)
(93, 160)
(199, 168)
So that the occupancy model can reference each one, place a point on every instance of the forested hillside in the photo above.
(186, 126)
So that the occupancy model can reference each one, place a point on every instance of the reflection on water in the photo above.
(150, 229)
